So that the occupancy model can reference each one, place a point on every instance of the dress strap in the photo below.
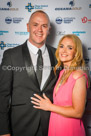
(84, 74)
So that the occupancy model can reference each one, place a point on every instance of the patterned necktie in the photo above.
(39, 66)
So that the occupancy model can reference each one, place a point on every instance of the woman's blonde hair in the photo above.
(78, 61)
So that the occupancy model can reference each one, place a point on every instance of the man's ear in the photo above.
(49, 30)
(27, 27)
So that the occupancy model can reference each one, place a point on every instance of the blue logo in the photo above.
(16, 20)
(9, 4)
(65, 20)
(72, 3)
(58, 20)
(2, 32)
(89, 5)
(29, 7)
(8, 45)
(21, 33)
(86, 58)
(79, 32)
(2, 45)
(8, 20)
(89, 48)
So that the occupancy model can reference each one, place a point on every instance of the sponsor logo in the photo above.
(72, 3)
(89, 48)
(59, 20)
(21, 33)
(16, 20)
(86, 58)
(79, 32)
(9, 5)
(3, 32)
(70, 7)
(8, 20)
(60, 33)
(30, 7)
(89, 5)
(85, 20)
(3, 45)
(66, 20)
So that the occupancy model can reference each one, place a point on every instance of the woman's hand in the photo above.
(41, 103)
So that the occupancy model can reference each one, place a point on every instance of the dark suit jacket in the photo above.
(18, 83)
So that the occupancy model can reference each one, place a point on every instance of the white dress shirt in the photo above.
(46, 61)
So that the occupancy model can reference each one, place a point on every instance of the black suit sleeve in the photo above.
(5, 91)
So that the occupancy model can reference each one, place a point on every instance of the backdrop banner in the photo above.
(66, 16)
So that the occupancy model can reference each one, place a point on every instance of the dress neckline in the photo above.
(57, 89)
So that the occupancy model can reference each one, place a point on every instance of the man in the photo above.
(19, 82)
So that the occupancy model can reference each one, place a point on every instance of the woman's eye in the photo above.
(61, 46)
(70, 48)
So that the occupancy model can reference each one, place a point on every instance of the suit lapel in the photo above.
(29, 64)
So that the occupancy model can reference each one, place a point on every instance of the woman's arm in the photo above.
(78, 101)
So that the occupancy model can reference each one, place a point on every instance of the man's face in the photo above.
(38, 27)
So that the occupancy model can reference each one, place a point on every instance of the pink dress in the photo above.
(63, 126)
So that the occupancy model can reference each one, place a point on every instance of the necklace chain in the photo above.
(61, 80)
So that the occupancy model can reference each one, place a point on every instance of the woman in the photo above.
(69, 96)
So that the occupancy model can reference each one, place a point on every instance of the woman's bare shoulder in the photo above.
(78, 73)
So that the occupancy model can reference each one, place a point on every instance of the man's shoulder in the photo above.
(51, 48)
(15, 49)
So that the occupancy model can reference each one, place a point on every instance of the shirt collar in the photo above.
(34, 49)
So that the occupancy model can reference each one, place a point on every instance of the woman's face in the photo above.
(67, 51)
